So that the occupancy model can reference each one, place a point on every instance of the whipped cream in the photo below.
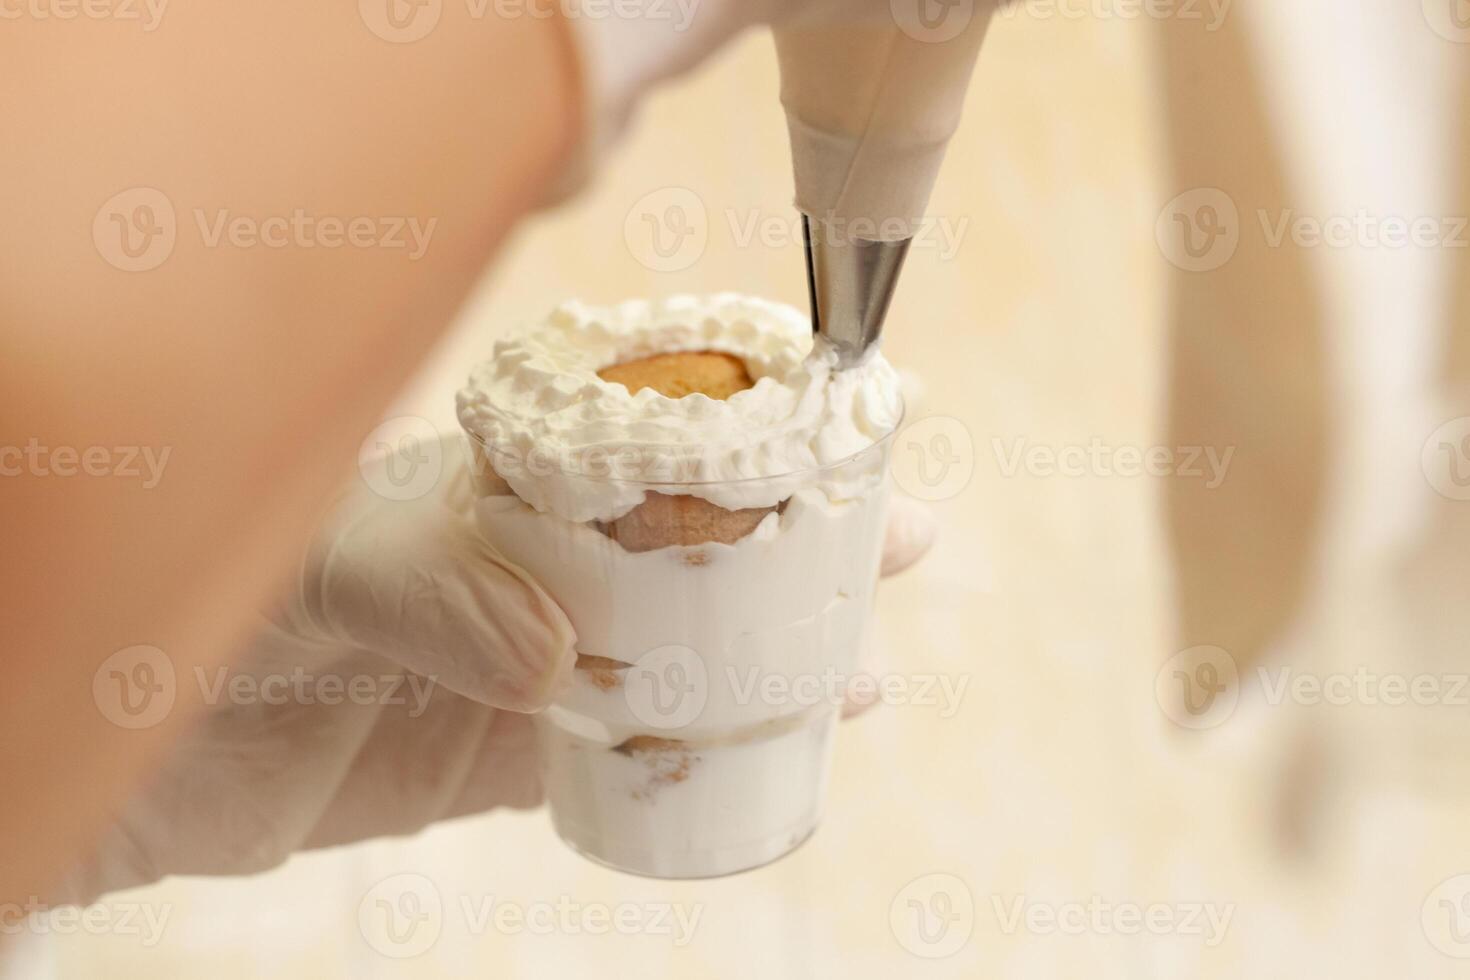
(744, 779)
(583, 448)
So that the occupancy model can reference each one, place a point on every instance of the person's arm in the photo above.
(256, 367)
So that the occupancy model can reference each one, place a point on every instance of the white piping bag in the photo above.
(871, 106)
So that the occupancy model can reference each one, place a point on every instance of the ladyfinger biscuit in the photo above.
(710, 373)
(666, 519)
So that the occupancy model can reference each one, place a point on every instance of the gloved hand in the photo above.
(449, 645)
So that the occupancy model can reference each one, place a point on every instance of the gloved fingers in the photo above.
(427, 761)
(244, 788)
(910, 534)
(873, 662)
(413, 580)
(258, 780)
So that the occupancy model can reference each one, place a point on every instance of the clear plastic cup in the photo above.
(714, 646)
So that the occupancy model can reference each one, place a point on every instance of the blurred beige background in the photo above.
(1328, 837)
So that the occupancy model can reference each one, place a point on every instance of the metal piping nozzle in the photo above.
(850, 282)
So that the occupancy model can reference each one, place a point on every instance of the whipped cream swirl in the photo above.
(586, 449)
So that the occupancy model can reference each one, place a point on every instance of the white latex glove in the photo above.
(872, 88)
(392, 593)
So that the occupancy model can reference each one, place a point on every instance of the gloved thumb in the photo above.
(415, 582)
(911, 532)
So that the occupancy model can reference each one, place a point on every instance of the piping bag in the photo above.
(870, 107)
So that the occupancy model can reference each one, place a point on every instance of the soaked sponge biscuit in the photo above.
(711, 373)
(667, 519)
(664, 519)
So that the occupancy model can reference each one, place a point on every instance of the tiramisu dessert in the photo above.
(703, 492)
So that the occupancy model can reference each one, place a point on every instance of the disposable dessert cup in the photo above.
(714, 645)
